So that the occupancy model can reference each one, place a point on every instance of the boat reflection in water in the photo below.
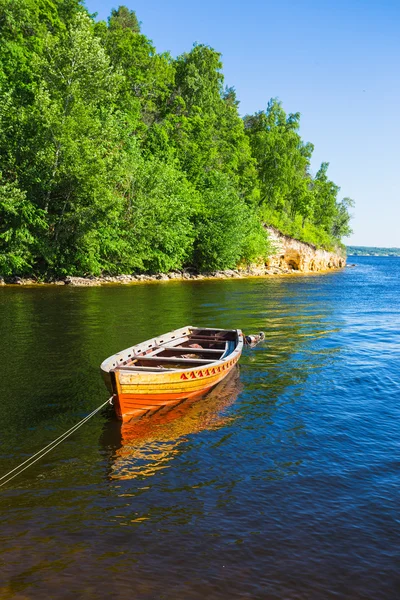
(148, 445)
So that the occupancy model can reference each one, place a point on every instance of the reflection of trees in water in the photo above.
(285, 375)
(148, 445)
(298, 345)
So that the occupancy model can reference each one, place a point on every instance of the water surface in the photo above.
(282, 483)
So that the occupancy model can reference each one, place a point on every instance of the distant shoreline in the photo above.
(371, 251)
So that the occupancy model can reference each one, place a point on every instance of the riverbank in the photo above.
(131, 279)
(289, 257)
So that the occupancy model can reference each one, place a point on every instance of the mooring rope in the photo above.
(29, 461)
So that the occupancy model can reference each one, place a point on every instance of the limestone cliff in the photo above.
(290, 254)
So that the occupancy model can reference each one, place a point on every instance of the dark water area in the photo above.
(282, 483)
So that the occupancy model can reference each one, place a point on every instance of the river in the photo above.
(282, 483)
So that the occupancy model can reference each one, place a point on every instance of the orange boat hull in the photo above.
(135, 398)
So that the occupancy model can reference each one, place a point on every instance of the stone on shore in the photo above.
(81, 281)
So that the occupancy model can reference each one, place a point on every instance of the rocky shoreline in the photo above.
(290, 253)
(132, 279)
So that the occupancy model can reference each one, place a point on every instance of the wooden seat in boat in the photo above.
(173, 359)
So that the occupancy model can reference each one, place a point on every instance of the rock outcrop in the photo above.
(292, 255)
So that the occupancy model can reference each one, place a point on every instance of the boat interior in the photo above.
(197, 348)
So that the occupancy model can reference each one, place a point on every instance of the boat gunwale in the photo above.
(120, 368)
(206, 365)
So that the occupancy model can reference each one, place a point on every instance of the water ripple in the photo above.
(281, 483)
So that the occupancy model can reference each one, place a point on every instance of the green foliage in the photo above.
(23, 27)
(226, 228)
(116, 159)
(123, 18)
(290, 198)
(147, 75)
(295, 228)
(20, 223)
(159, 207)
(255, 246)
(341, 220)
(282, 159)
(200, 124)
(74, 160)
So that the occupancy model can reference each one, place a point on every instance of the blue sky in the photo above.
(335, 62)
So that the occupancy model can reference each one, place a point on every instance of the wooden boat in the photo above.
(166, 370)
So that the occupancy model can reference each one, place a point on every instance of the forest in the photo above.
(117, 159)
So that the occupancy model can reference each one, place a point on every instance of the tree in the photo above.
(123, 18)
(71, 164)
(282, 158)
(147, 75)
(201, 123)
(157, 227)
(325, 192)
(226, 228)
(117, 158)
(341, 221)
